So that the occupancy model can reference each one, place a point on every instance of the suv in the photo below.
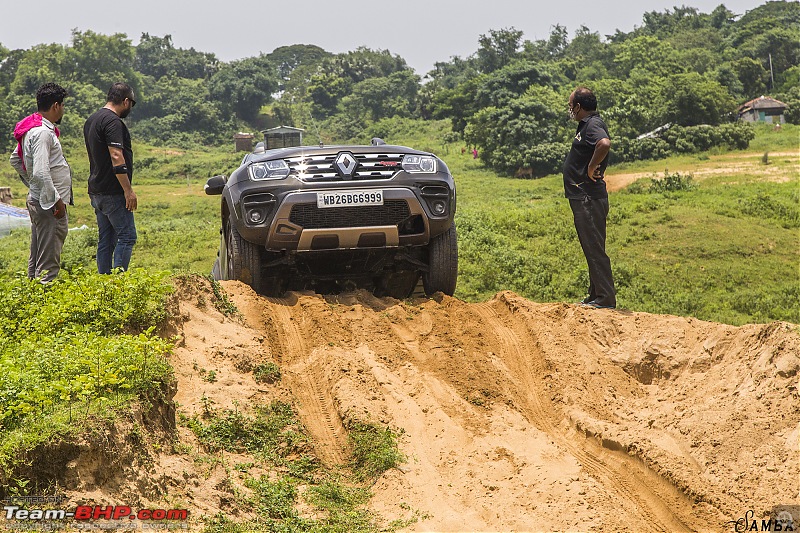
(329, 218)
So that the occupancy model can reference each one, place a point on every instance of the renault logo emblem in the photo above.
(346, 163)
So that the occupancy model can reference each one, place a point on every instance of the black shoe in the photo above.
(595, 305)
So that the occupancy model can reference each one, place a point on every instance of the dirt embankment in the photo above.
(516, 416)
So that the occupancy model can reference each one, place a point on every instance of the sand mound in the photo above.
(524, 416)
(514, 416)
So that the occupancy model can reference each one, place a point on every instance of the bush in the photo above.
(764, 206)
(671, 182)
(374, 450)
(79, 250)
(684, 140)
(82, 338)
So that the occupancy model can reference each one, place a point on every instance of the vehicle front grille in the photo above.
(309, 216)
(322, 167)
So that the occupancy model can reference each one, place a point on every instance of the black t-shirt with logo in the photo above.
(101, 130)
(577, 184)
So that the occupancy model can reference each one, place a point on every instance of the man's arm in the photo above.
(16, 162)
(601, 149)
(118, 159)
(40, 175)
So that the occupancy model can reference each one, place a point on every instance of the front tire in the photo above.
(243, 258)
(442, 271)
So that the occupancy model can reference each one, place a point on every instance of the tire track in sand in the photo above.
(654, 504)
(306, 378)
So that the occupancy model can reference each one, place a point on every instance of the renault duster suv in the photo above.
(331, 218)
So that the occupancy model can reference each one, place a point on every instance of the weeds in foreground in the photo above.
(222, 303)
(374, 450)
(267, 373)
(276, 440)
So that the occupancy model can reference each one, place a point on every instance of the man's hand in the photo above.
(594, 173)
(600, 151)
(130, 200)
(59, 209)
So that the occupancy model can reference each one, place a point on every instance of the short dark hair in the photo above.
(119, 92)
(49, 94)
(586, 98)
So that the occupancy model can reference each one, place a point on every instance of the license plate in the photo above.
(349, 198)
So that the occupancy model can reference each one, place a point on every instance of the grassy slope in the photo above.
(689, 253)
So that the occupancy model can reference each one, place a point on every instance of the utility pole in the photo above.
(771, 75)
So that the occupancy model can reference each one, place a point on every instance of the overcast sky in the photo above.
(420, 31)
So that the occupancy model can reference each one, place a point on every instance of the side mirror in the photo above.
(215, 185)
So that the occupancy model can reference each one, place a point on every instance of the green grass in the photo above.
(77, 349)
(272, 428)
(276, 440)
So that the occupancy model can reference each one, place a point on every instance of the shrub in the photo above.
(683, 140)
(374, 450)
(672, 182)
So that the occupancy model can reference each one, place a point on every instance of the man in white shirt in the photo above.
(40, 163)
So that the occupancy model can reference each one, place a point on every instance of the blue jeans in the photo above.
(117, 232)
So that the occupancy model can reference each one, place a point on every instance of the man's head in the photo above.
(50, 101)
(120, 96)
(582, 101)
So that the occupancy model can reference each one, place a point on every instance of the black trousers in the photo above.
(590, 222)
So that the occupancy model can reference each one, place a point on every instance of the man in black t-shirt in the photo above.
(585, 188)
(108, 144)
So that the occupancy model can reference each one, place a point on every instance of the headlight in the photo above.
(269, 170)
(419, 163)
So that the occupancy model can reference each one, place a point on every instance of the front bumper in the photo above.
(293, 222)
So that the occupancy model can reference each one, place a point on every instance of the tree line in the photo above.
(680, 67)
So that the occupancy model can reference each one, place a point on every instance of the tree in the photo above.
(779, 44)
(553, 48)
(158, 57)
(722, 18)
(498, 49)
(519, 134)
(288, 58)
(753, 77)
(336, 76)
(510, 82)
(325, 91)
(690, 99)
(377, 98)
(242, 87)
(792, 99)
(179, 107)
(679, 19)
(41, 64)
(648, 53)
(101, 60)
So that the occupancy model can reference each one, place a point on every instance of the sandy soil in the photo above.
(514, 415)
(616, 182)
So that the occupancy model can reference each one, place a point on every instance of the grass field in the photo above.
(725, 249)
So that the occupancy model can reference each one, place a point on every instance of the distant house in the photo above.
(763, 109)
(283, 137)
